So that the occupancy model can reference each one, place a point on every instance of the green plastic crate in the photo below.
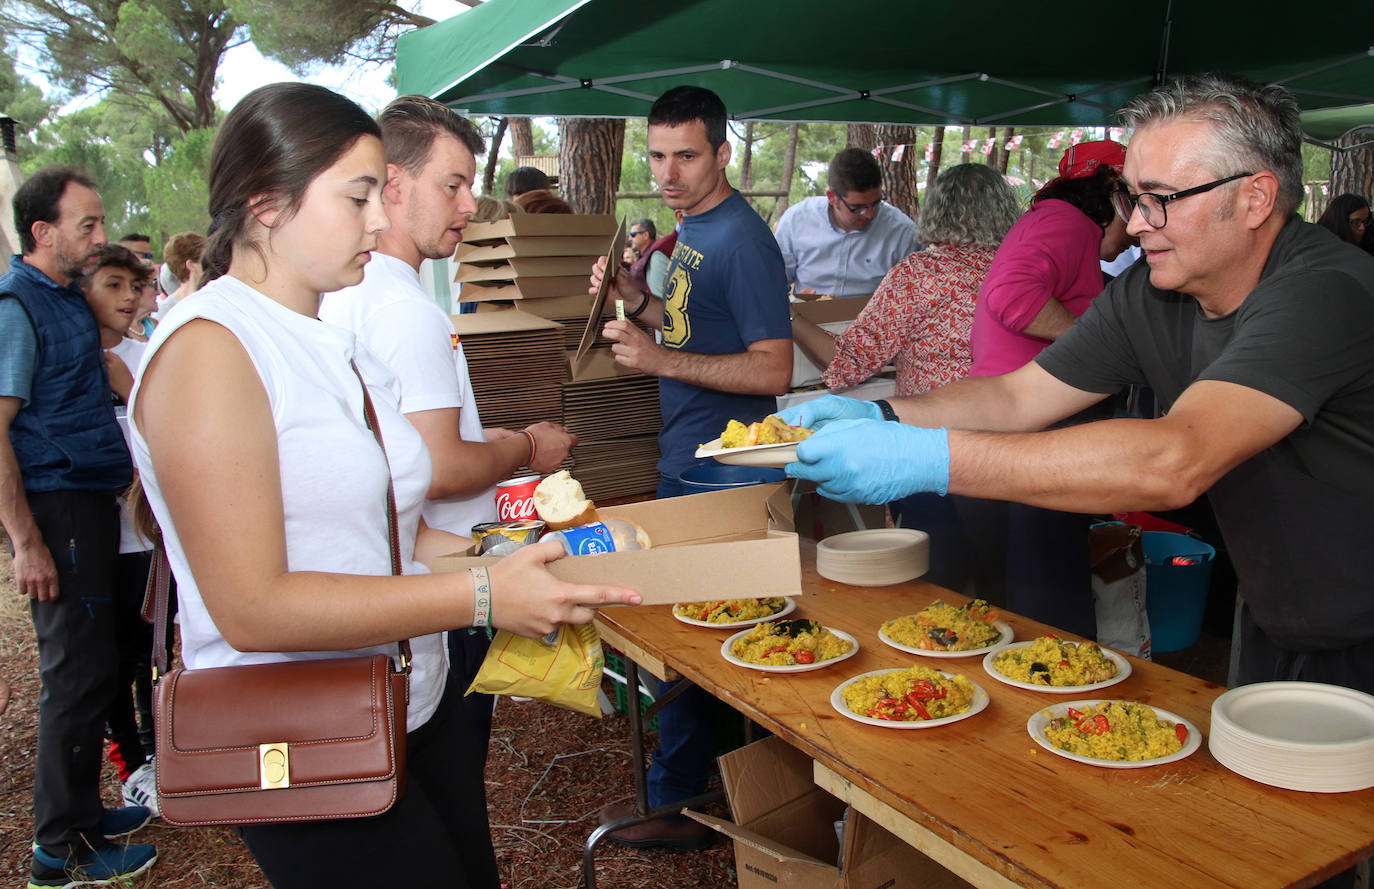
(615, 668)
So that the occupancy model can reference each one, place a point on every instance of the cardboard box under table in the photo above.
(740, 539)
(785, 830)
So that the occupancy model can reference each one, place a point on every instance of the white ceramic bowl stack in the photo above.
(877, 557)
(1297, 735)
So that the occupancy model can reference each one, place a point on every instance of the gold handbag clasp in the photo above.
(274, 766)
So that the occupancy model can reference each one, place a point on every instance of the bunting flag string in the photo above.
(896, 153)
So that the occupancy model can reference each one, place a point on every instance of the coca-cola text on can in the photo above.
(515, 498)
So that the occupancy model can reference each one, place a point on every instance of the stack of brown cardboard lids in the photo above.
(612, 409)
(516, 363)
(539, 256)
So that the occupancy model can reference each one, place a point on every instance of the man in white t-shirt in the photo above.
(431, 162)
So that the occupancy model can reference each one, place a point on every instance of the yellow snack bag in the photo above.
(563, 668)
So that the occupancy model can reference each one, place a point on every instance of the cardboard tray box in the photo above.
(832, 314)
(509, 248)
(554, 286)
(526, 267)
(541, 225)
(704, 545)
(784, 830)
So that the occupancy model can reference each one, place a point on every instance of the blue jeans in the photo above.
(686, 727)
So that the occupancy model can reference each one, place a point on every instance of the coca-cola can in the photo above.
(515, 498)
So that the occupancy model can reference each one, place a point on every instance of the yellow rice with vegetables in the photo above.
(789, 643)
(729, 611)
(1119, 731)
(769, 430)
(911, 695)
(1051, 661)
(941, 627)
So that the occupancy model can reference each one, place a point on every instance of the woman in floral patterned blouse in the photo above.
(921, 316)
(921, 319)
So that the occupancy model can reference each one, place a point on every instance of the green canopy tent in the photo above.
(996, 62)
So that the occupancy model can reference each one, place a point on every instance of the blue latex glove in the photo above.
(871, 461)
(818, 412)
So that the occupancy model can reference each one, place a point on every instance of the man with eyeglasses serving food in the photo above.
(1256, 332)
(845, 242)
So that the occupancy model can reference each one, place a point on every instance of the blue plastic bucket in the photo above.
(706, 476)
(1175, 594)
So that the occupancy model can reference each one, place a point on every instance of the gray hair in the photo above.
(969, 204)
(1254, 127)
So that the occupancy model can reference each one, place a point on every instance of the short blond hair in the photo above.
(183, 247)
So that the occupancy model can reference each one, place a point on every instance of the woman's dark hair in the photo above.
(271, 146)
(684, 104)
(36, 200)
(1091, 194)
(1337, 216)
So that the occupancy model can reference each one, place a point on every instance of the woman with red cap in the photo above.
(1044, 276)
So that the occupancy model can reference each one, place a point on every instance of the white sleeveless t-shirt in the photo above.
(333, 474)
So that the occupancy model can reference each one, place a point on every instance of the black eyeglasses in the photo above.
(860, 209)
(147, 256)
(1360, 222)
(1150, 203)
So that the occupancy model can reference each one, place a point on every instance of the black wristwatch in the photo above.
(887, 411)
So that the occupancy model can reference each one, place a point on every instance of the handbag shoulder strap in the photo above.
(392, 522)
(160, 572)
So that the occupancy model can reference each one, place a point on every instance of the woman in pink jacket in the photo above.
(1045, 274)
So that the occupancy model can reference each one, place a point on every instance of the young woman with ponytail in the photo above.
(270, 489)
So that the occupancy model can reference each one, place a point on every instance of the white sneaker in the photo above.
(140, 788)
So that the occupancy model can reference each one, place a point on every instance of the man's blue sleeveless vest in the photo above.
(66, 438)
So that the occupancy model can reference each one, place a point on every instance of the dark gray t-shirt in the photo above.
(1304, 335)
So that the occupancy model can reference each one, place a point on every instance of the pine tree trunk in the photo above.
(964, 152)
(521, 137)
(589, 154)
(1005, 156)
(746, 164)
(789, 169)
(860, 135)
(1352, 171)
(899, 177)
(936, 152)
(493, 156)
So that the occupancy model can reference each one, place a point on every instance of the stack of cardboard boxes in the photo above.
(541, 263)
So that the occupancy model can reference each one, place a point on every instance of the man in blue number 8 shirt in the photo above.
(727, 350)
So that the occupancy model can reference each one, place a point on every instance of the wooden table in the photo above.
(980, 797)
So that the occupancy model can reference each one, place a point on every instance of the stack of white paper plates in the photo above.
(1296, 735)
(877, 557)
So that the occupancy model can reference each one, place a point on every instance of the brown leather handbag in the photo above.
(302, 740)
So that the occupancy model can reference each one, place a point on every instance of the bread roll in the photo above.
(560, 502)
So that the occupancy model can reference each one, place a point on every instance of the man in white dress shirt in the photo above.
(431, 161)
(845, 242)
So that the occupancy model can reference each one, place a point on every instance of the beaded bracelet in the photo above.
(481, 597)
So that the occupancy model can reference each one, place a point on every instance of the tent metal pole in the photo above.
(1166, 34)
(1348, 98)
(1003, 115)
(1348, 60)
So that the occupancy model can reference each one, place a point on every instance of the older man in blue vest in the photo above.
(62, 465)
